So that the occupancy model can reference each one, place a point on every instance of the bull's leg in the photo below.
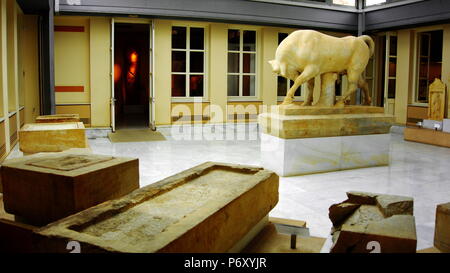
(353, 79)
(365, 87)
(308, 73)
(309, 93)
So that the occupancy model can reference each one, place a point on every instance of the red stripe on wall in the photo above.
(69, 88)
(69, 28)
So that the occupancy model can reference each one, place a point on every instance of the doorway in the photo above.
(131, 76)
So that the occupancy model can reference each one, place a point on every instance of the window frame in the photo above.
(416, 63)
(241, 51)
(188, 73)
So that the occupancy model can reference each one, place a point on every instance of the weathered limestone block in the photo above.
(208, 208)
(442, 228)
(366, 218)
(293, 121)
(45, 188)
(52, 137)
(58, 118)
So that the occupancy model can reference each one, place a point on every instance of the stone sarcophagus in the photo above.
(58, 118)
(368, 222)
(52, 137)
(208, 208)
(44, 188)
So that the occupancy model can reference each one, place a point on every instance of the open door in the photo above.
(113, 100)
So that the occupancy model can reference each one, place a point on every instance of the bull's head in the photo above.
(275, 66)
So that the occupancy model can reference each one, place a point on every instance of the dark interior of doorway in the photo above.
(131, 75)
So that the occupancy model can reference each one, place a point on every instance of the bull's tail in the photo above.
(368, 40)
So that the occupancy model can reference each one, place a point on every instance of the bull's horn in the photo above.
(275, 66)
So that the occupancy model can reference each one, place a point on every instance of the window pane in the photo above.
(233, 62)
(197, 38)
(343, 2)
(233, 85)
(392, 67)
(298, 91)
(369, 68)
(248, 64)
(422, 96)
(178, 61)
(248, 85)
(281, 37)
(424, 40)
(393, 46)
(196, 86)
(178, 85)
(391, 89)
(249, 40)
(196, 62)
(179, 37)
(233, 39)
(282, 86)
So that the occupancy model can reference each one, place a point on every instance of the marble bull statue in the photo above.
(306, 54)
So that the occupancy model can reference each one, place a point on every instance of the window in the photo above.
(188, 61)
(429, 62)
(374, 2)
(344, 2)
(285, 84)
(241, 63)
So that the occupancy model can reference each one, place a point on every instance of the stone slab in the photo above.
(365, 219)
(430, 124)
(312, 122)
(446, 125)
(442, 228)
(208, 208)
(58, 118)
(289, 157)
(427, 136)
(47, 187)
(52, 137)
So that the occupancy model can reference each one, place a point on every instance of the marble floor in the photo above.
(418, 170)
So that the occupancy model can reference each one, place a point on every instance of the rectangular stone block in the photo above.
(427, 136)
(208, 208)
(52, 137)
(289, 157)
(310, 122)
(58, 118)
(442, 228)
(45, 188)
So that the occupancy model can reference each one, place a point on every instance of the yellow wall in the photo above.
(403, 83)
(30, 66)
(162, 65)
(218, 36)
(72, 60)
(100, 68)
(13, 65)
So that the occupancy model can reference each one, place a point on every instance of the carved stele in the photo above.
(436, 100)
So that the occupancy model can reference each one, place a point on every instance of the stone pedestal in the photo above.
(52, 137)
(299, 140)
(44, 188)
(208, 208)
